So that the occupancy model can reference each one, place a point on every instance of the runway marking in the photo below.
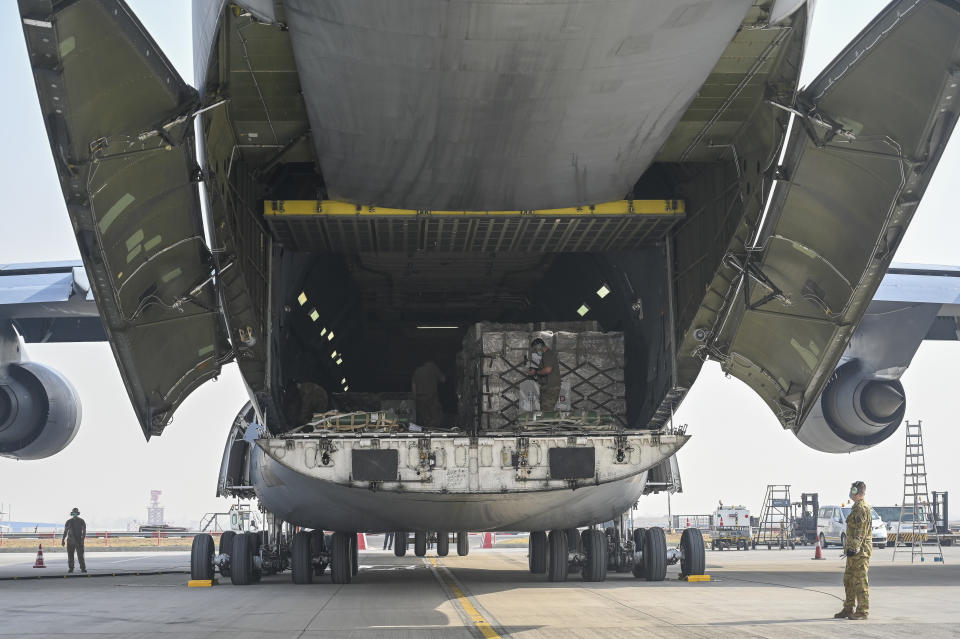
(462, 600)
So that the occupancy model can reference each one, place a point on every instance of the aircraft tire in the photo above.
(201, 557)
(400, 544)
(420, 544)
(341, 565)
(256, 540)
(558, 556)
(537, 552)
(301, 566)
(694, 561)
(655, 554)
(226, 548)
(354, 554)
(639, 535)
(241, 561)
(443, 543)
(463, 543)
(595, 555)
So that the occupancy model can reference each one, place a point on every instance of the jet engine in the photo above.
(856, 410)
(39, 411)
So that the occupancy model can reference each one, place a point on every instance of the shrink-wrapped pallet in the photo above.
(494, 388)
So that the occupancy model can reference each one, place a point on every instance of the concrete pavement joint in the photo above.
(317, 614)
(472, 613)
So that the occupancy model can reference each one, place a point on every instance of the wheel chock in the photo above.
(202, 583)
(695, 577)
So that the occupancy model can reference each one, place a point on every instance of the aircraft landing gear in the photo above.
(558, 556)
(537, 552)
(341, 564)
(463, 543)
(399, 544)
(420, 544)
(201, 557)
(443, 543)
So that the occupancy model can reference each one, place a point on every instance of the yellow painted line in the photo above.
(464, 603)
(336, 208)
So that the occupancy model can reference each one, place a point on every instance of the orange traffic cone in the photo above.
(818, 553)
(39, 562)
(489, 539)
(361, 541)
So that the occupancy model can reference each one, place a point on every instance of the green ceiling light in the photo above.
(314, 315)
(339, 361)
(346, 388)
(343, 381)
(302, 298)
(323, 332)
(583, 310)
(330, 336)
(603, 291)
(333, 354)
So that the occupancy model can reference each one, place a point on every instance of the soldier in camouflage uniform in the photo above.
(858, 549)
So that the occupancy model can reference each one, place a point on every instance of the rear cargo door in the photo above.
(866, 137)
(119, 120)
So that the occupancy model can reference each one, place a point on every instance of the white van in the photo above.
(832, 527)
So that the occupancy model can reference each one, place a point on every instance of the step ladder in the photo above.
(776, 522)
(916, 505)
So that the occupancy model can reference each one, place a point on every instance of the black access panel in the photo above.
(375, 464)
(572, 463)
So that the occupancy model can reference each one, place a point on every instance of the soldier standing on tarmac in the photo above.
(74, 532)
(858, 549)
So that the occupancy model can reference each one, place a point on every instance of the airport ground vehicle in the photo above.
(731, 529)
(832, 527)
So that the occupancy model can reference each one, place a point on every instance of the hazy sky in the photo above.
(738, 446)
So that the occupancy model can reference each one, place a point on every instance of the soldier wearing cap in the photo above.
(74, 532)
(858, 549)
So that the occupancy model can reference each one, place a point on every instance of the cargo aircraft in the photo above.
(348, 180)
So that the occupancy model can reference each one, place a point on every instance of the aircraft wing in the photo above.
(120, 124)
(50, 302)
(866, 137)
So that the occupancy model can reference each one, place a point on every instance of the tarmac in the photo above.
(489, 593)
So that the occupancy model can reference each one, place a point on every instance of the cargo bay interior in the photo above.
(361, 322)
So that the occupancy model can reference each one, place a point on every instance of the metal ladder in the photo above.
(916, 500)
(776, 523)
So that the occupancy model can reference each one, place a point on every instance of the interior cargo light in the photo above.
(302, 298)
(323, 332)
(346, 388)
(603, 291)
(343, 381)
(339, 361)
(314, 315)
(333, 354)
(330, 336)
(583, 310)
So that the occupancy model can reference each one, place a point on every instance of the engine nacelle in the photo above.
(856, 410)
(39, 411)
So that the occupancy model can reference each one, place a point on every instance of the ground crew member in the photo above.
(429, 409)
(858, 549)
(74, 532)
(548, 374)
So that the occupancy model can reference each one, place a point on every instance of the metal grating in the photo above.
(338, 227)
